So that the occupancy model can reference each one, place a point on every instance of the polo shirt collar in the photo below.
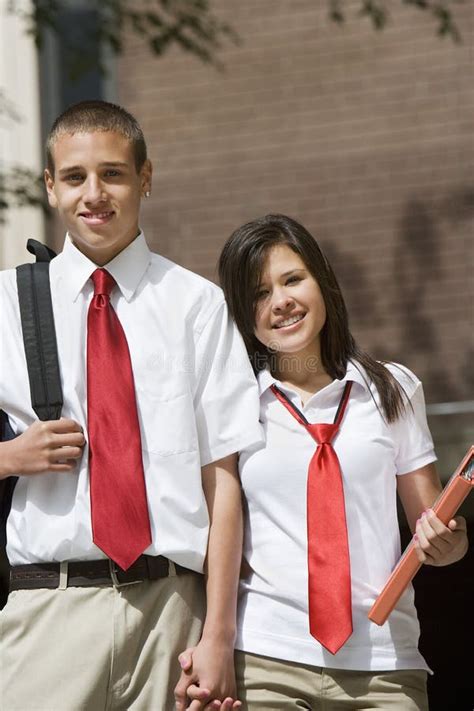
(127, 268)
(354, 372)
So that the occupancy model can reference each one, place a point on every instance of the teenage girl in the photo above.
(321, 531)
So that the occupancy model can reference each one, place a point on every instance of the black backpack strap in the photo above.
(39, 338)
(39, 333)
(40, 250)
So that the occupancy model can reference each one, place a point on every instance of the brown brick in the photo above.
(364, 137)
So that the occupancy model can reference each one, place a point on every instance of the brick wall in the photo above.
(364, 136)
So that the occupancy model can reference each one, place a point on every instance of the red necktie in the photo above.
(329, 576)
(120, 521)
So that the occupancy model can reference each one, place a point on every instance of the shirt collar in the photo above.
(127, 268)
(354, 372)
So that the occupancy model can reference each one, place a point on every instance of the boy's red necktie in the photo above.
(329, 576)
(120, 521)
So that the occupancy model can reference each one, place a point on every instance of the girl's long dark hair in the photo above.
(240, 269)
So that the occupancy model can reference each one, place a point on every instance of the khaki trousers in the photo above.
(100, 648)
(266, 684)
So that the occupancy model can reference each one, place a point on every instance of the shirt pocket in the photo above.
(167, 420)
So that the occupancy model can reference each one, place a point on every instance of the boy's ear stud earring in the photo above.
(147, 194)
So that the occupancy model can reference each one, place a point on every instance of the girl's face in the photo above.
(290, 311)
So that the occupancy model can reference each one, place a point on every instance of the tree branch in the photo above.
(21, 187)
(377, 12)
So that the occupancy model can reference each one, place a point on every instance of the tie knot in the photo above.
(323, 433)
(103, 282)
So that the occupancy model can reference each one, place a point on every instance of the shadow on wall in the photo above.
(357, 286)
(418, 263)
(466, 372)
(419, 278)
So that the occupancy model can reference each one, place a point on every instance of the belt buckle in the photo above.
(115, 581)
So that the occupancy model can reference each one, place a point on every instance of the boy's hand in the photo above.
(207, 681)
(52, 446)
(437, 544)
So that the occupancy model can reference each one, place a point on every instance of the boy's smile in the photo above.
(98, 218)
(97, 191)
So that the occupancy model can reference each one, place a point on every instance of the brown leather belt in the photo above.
(91, 573)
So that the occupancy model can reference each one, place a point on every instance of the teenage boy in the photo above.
(118, 502)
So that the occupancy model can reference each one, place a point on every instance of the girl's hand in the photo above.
(437, 544)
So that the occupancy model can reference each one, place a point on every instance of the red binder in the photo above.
(445, 507)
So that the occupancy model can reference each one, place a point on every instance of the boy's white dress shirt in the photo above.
(196, 396)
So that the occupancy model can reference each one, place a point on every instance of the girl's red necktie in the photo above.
(329, 577)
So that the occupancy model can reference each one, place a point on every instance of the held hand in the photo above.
(437, 544)
(186, 679)
(52, 446)
(207, 681)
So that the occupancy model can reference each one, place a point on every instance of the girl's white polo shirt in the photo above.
(273, 605)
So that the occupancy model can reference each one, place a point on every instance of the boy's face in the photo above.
(97, 191)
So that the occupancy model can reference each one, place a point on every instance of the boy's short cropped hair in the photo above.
(88, 116)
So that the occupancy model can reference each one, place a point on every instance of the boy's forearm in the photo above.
(8, 462)
(223, 495)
